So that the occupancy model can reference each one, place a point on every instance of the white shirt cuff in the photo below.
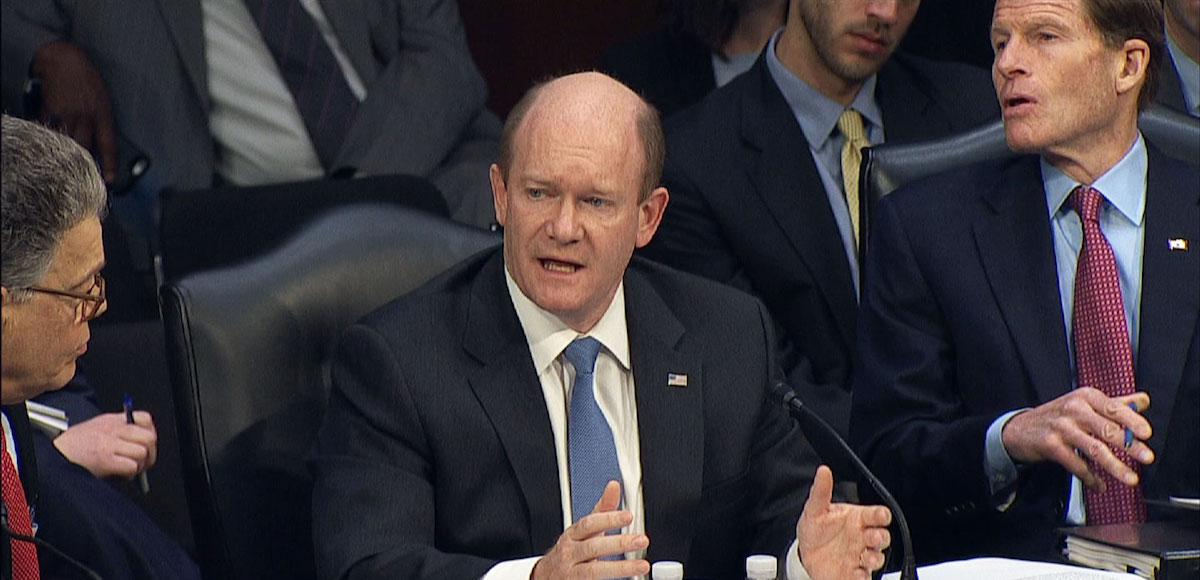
(512, 569)
(795, 570)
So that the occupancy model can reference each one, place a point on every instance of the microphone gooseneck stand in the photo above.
(829, 444)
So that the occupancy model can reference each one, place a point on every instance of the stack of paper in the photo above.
(1006, 569)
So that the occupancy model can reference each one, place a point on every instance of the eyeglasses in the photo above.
(91, 303)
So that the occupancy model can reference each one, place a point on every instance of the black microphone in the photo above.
(9, 533)
(829, 445)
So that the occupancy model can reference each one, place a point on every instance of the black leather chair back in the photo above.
(886, 167)
(1174, 133)
(217, 227)
(249, 349)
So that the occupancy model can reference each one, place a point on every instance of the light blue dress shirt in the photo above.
(817, 116)
(1122, 219)
(1189, 74)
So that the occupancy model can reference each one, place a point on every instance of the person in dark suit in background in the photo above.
(703, 45)
(499, 421)
(1014, 310)
(757, 179)
(1179, 86)
(53, 200)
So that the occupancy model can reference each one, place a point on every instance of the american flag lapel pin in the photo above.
(1177, 244)
(676, 380)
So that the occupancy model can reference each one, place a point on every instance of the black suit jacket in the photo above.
(436, 458)
(748, 207)
(672, 71)
(27, 465)
(962, 322)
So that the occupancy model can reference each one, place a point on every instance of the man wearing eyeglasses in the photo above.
(51, 254)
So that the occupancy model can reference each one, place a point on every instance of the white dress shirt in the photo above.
(254, 120)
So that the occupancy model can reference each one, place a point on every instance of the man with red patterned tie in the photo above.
(51, 287)
(51, 254)
(1029, 348)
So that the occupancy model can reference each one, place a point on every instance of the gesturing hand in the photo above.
(107, 446)
(840, 540)
(575, 556)
(1084, 420)
(74, 98)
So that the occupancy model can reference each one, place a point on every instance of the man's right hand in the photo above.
(74, 98)
(109, 447)
(1083, 420)
(575, 556)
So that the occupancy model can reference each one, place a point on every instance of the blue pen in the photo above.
(144, 482)
(1129, 432)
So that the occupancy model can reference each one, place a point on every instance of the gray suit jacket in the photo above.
(424, 113)
(436, 458)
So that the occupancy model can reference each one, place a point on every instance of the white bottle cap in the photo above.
(667, 570)
(760, 567)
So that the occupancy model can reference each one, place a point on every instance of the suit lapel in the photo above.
(509, 392)
(670, 420)
(184, 20)
(1170, 287)
(1015, 246)
(786, 179)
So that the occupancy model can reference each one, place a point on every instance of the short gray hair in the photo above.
(50, 185)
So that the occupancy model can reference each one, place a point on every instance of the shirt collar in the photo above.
(1123, 185)
(548, 336)
(816, 113)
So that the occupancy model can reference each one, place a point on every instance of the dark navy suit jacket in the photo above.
(748, 207)
(436, 458)
(86, 517)
(962, 321)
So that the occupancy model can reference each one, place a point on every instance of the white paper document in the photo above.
(1005, 569)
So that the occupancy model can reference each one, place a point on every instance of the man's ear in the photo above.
(499, 193)
(3, 303)
(1135, 58)
(650, 214)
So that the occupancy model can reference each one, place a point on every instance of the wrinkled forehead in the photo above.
(1008, 13)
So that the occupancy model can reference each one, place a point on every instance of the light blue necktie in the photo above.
(591, 452)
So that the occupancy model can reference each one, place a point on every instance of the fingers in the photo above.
(597, 523)
(876, 516)
(1118, 409)
(615, 568)
(144, 419)
(878, 539)
(821, 493)
(615, 545)
(871, 560)
(1084, 421)
(610, 498)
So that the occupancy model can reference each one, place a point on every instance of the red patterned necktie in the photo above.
(1103, 356)
(24, 556)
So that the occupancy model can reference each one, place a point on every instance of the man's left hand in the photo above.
(840, 540)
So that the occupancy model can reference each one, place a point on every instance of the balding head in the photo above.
(589, 101)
